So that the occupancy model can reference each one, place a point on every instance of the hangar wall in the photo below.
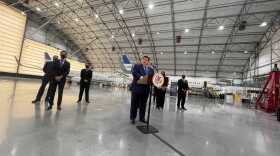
(12, 27)
(22, 55)
(266, 58)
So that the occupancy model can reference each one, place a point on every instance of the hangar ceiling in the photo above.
(211, 38)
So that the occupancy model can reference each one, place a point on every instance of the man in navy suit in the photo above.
(61, 70)
(46, 78)
(140, 92)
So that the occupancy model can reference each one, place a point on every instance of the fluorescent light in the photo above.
(133, 34)
(158, 33)
(263, 24)
(187, 30)
(23, 13)
(221, 27)
(112, 36)
(121, 11)
(245, 51)
(151, 6)
(161, 53)
(213, 52)
(38, 9)
(96, 16)
(56, 4)
(76, 19)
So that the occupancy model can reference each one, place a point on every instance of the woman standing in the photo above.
(160, 96)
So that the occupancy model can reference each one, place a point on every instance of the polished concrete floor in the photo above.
(102, 128)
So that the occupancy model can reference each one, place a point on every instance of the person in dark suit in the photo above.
(140, 91)
(45, 79)
(61, 70)
(86, 76)
(160, 96)
(183, 87)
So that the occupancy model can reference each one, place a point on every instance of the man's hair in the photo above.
(183, 76)
(55, 56)
(145, 56)
(63, 51)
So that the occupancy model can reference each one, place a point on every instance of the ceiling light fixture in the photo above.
(161, 53)
(151, 6)
(23, 13)
(121, 11)
(213, 52)
(245, 51)
(56, 4)
(133, 34)
(112, 36)
(76, 19)
(158, 33)
(221, 27)
(38, 9)
(96, 16)
(263, 24)
(187, 30)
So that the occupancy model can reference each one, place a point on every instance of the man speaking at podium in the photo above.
(140, 87)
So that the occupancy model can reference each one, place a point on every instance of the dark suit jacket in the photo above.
(61, 69)
(48, 68)
(183, 85)
(86, 75)
(138, 71)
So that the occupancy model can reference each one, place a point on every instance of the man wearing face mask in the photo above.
(45, 79)
(139, 90)
(61, 70)
(86, 76)
(183, 87)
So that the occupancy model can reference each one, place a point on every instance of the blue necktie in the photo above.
(146, 71)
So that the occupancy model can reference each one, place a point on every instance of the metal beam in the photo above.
(174, 35)
(234, 30)
(266, 38)
(106, 26)
(253, 13)
(147, 29)
(183, 11)
(204, 21)
(128, 33)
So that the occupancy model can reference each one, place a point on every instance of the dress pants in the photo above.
(53, 85)
(138, 100)
(45, 81)
(160, 98)
(181, 99)
(84, 87)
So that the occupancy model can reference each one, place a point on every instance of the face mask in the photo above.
(87, 66)
(63, 56)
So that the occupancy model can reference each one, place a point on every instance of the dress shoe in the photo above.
(132, 122)
(35, 101)
(87, 101)
(49, 108)
(59, 108)
(184, 108)
(79, 101)
(178, 108)
(143, 121)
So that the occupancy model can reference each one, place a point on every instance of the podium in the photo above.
(156, 80)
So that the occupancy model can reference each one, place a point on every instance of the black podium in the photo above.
(148, 129)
